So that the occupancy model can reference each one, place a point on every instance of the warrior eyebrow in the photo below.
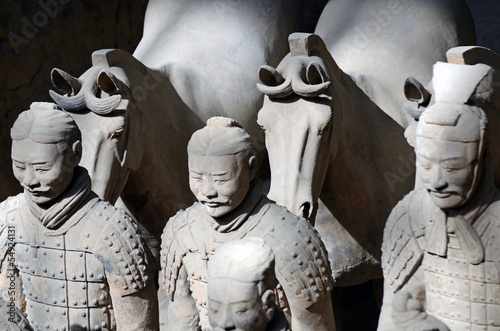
(32, 163)
(220, 174)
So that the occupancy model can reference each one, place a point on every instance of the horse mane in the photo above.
(305, 71)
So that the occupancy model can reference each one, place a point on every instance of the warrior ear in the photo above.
(252, 160)
(269, 303)
(77, 153)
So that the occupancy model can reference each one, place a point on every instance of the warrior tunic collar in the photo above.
(67, 206)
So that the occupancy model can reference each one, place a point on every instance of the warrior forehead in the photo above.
(221, 136)
(45, 123)
(461, 123)
(247, 260)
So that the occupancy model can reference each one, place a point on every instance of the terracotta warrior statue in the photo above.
(241, 283)
(442, 242)
(82, 263)
(231, 206)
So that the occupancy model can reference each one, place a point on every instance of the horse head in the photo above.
(299, 138)
(105, 109)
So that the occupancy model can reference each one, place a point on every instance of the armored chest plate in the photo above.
(463, 295)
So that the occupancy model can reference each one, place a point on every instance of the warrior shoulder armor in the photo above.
(401, 252)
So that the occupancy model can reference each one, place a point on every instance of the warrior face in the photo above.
(220, 182)
(46, 147)
(447, 170)
(42, 169)
(236, 305)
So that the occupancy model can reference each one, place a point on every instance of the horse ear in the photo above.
(110, 84)
(270, 76)
(65, 82)
(315, 74)
(415, 91)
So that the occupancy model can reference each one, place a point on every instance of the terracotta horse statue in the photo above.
(334, 129)
(324, 135)
(197, 59)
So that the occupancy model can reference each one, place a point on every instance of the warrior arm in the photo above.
(136, 311)
(182, 314)
(318, 316)
(415, 286)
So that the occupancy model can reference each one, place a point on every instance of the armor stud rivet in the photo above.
(100, 276)
(54, 301)
(94, 302)
(35, 296)
(81, 254)
(125, 287)
(73, 277)
(300, 262)
(32, 271)
(61, 255)
(294, 255)
(102, 286)
(27, 249)
(64, 312)
(84, 287)
(81, 274)
(91, 274)
(135, 286)
(124, 228)
(43, 242)
(87, 235)
(62, 285)
(20, 236)
(63, 300)
(83, 314)
(86, 246)
(75, 303)
(99, 214)
(105, 237)
(58, 244)
(118, 221)
(110, 243)
(106, 218)
(47, 309)
(44, 269)
(44, 253)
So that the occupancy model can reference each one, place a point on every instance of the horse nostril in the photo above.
(305, 210)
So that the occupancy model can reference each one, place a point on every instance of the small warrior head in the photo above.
(46, 147)
(450, 144)
(221, 165)
(241, 284)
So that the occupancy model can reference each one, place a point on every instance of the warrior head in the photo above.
(241, 284)
(46, 147)
(451, 134)
(221, 165)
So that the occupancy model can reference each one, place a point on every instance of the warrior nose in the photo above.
(438, 182)
(208, 190)
(30, 180)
